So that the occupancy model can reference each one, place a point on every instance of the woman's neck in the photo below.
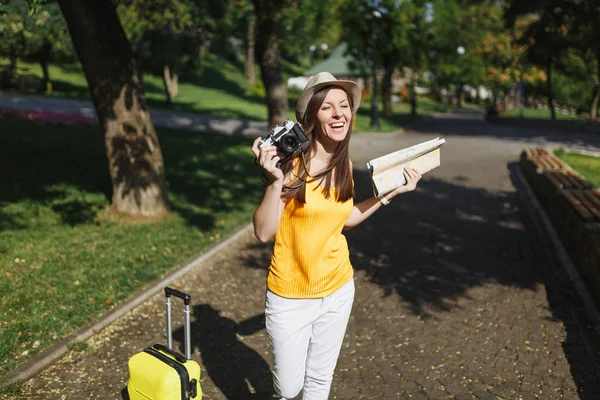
(320, 157)
(322, 152)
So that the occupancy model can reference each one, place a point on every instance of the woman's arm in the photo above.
(268, 213)
(366, 208)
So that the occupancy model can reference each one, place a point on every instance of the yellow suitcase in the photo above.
(160, 373)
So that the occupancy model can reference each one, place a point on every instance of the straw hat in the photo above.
(318, 82)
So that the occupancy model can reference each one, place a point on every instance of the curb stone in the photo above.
(42, 360)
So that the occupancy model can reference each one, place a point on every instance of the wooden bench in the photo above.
(573, 205)
(567, 180)
(586, 203)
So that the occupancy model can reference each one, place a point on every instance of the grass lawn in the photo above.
(220, 89)
(63, 262)
(587, 166)
(535, 113)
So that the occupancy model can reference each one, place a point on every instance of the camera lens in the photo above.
(289, 143)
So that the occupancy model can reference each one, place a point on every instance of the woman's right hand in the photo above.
(267, 158)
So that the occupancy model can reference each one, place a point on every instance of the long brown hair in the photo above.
(340, 162)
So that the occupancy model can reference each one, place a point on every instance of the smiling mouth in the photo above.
(337, 125)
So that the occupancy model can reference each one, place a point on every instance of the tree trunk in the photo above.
(388, 70)
(506, 101)
(413, 96)
(549, 90)
(269, 33)
(594, 110)
(47, 83)
(250, 73)
(171, 83)
(43, 57)
(459, 89)
(269, 53)
(192, 67)
(12, 66)
(135, 159)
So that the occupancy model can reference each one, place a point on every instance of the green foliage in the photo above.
(575, 80)
(458, 24)
(171, 33)
(25, 31)
(315, 23)
(562, 39)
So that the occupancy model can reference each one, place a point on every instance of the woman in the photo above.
(307, 204)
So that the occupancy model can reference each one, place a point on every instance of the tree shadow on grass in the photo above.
(196, 112)
(65, 170)
(66, 88)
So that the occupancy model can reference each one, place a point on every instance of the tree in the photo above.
(585, 33)
(315, 23)
(170, 35)
(575, 80)
(457, 28)
(545, 37)
(38, 36)
(270, 18)
(135, 158)
(504, 57)
(402, 44)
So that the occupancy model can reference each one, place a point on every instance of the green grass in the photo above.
(63, 262)
(11, 389)
(401, 116)
(535, 113)
(588, 166)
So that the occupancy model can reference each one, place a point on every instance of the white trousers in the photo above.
(306, 337)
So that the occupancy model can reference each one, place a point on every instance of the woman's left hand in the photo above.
(412, 178)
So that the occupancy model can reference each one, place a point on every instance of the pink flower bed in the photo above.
(48, 117)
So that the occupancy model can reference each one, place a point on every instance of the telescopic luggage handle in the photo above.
(186, 313)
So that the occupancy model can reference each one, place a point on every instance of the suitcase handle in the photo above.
(170, 352)
(186, 313)
(184, 296)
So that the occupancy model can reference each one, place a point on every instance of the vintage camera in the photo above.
(289, 139)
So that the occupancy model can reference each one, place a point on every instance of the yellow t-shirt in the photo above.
(310, 256)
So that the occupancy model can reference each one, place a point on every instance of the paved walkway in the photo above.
(457, 294)
(160, 118)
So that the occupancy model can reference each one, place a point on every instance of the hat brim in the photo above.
(349, 86)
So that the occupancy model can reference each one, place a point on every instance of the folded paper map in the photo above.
(387, 172)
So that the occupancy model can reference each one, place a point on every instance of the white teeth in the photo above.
(335, 126)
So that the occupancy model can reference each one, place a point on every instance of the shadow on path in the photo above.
(432, 246)
(234, 367)
(582, 343)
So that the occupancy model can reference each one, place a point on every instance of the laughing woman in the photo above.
(308, 201)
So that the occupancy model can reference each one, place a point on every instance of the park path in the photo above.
(458, 295)
(160, 118)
